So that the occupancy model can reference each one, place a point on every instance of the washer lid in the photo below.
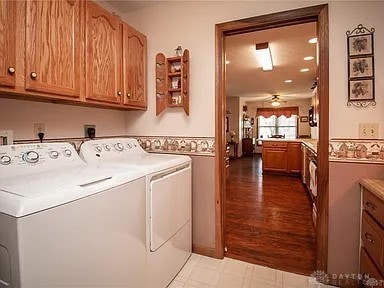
(23, 195)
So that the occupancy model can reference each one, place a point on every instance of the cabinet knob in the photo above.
(119, 93)
(11, 70)
(129, 95)
(33, 75)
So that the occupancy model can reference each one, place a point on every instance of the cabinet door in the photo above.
(7, 43)
(53, 47)
(103, 55)
(294, 157)
(134, 67)
(275, 159)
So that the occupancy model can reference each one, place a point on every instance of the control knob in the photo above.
(107, 148)
(31, 157)
(54, 154)
(67, 153)
(98, 149)
(5, 160)
(129, 145)
(119, 147)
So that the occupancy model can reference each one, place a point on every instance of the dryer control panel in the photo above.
(109, 149)
(36, 157)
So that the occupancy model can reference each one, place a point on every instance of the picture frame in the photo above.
(360, 45)
(361, 67)
(304, 119)
(361, 90)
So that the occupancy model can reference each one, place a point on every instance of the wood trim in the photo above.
(318, 14)
(203, 250)
(221, 147)
(322, 149)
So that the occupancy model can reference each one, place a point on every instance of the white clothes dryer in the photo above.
(65, 223)
(169, 189)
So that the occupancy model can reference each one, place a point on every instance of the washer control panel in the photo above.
(109, 149)
(31, 158)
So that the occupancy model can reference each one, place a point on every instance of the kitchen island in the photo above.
(285, 155)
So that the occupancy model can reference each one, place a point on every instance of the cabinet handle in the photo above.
(11, 70)
(370, 205)
(119, 93)
(33, 75)
(368, 237)
(128, 95)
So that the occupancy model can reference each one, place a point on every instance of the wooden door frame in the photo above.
(318, 14)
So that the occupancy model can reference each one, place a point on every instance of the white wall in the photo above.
(346, 16)
(61, 121)
(192, 25)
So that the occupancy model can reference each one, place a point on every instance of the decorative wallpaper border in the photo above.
(203, 146)
(360, 151)
(178, 145)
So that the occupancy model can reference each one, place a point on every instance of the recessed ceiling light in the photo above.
(288, 81)
(309, 58)
(313, 40)
(227, 61)
(304, 70)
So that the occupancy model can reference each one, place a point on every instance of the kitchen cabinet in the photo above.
(72, 52)
(134, 67)
(274, 156)
(53, 55)
(372, 231)
(294, 157)
(7, 43)
(103, 57)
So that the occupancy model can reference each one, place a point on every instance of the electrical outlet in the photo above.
(368, 130)
(39, 128)
(86, 129)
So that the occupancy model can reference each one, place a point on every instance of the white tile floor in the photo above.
(206, 272)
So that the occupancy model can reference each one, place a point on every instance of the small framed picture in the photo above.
(304, 118)
(360, 45)
(361, 67)
(361, 90)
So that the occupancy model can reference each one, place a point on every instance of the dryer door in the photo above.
(170, 206)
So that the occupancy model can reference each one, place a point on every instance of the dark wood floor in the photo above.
(268, 219)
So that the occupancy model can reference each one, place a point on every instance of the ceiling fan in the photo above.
(276, 101)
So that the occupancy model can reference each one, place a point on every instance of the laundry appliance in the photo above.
(65, 223)
(168, 199)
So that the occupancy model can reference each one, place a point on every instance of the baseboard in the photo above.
(204, 250)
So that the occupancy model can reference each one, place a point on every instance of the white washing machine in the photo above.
(65, 223)
(169, 188)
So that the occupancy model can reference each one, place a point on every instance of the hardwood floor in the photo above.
(268, 219)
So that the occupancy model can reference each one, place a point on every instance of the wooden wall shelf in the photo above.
(172, 82)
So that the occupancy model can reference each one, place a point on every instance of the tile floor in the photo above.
(206, 272)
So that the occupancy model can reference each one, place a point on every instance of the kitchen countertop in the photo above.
(376, 186)
(310, 143)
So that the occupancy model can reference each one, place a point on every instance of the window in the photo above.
(273, 125)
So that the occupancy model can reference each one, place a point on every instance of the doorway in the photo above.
(318, 14)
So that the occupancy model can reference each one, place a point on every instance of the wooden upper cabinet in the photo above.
(134, 67)
(53, 47)
(7, 43)
(103, 55)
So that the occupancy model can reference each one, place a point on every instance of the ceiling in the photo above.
(288, 45)
(125, 6)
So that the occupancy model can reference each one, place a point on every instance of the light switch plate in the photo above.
(368, 130)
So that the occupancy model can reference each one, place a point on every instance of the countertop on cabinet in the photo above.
(310, 143)
(376, 186)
